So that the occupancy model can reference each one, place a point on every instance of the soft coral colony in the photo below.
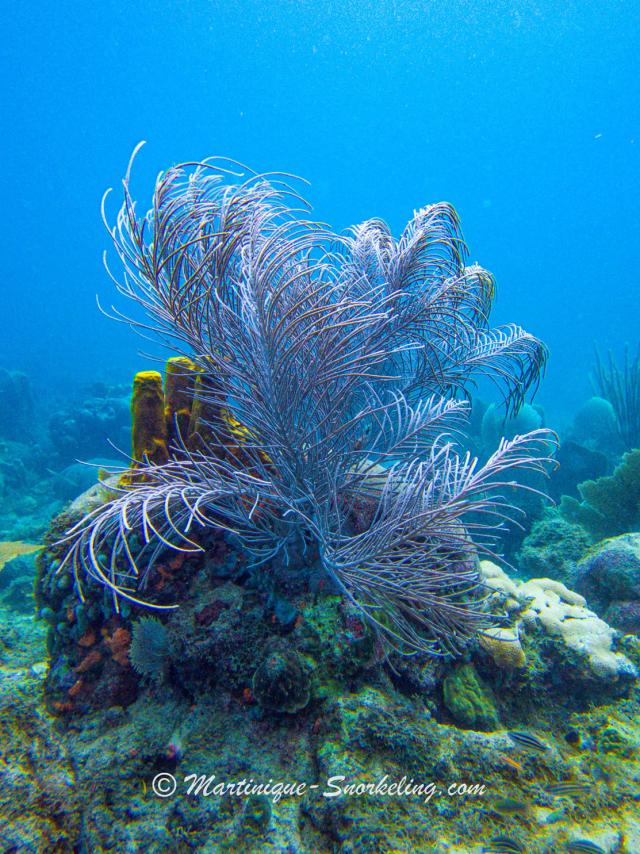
(331, 374)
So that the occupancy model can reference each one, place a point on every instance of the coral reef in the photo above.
(36, 475)
(89, 784)
(281, 682)
(576, 463)
(611, 571)
(621, 387)
(305, 563)
(594, 427)
(28, 496)
(494, 424)
(82, 426)
(277, 656)
(504, 647)
(553, 547)
(609, 578)
(610, 505)
(39, 806)
(579, 638)
(16, 580)
(624, 616)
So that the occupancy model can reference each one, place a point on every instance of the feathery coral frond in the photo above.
(345, 360)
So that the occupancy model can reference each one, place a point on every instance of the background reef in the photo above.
(273, 674)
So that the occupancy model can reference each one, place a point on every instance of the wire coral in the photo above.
(335, 368)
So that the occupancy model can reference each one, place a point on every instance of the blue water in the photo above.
(525, 115)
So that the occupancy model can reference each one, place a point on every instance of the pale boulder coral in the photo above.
(497, 579)
(562, 613)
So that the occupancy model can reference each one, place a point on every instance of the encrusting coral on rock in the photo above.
(547, 604)
(469, 700)
(609, 578)
(553, 547)
(504, 647)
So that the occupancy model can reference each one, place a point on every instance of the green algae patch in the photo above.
(470, 702)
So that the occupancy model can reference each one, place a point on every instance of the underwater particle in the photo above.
(504, 845)
(584, 846)
(528, 741)
(281, 683)
(470, 702)
(148, 652)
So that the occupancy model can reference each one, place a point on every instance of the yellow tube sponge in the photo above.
(179, 388)
(149, 427)
(202, 415)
